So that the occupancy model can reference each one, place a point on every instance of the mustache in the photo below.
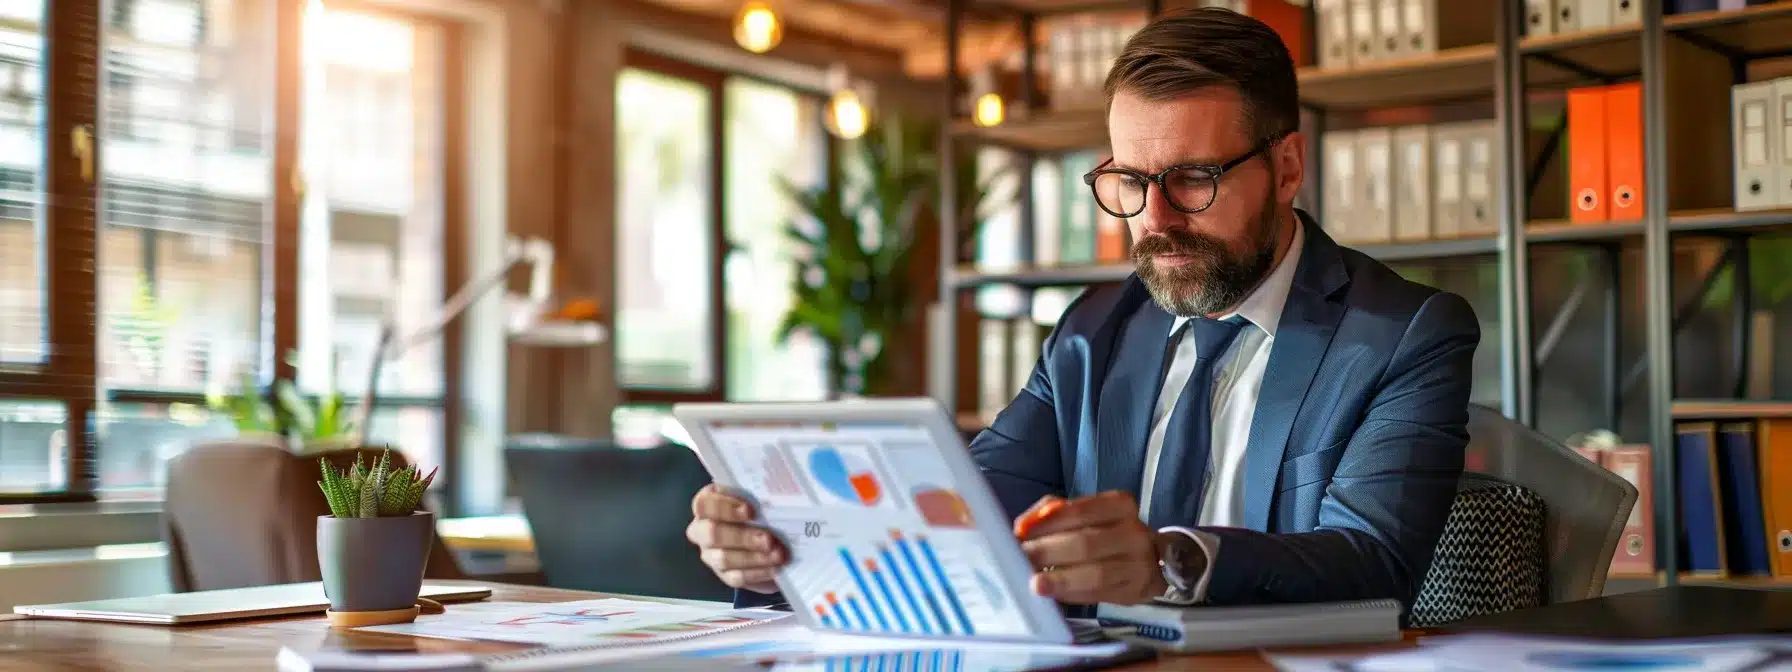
(1175, 241)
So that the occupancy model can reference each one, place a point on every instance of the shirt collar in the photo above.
(1263, 307)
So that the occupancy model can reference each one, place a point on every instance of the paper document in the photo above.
(606, 621)
(1523, 654)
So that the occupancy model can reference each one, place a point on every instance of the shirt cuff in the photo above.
(1210, 544)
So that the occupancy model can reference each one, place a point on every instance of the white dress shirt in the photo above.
(1238, 377)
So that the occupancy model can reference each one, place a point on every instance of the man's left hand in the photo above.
(1093, 550)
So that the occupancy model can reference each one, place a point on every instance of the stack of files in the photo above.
(1410, 183)
(1761, 127)
(1605, 142)
(1354, 33)
(1635, 555)
(1605, 153)
(1734, 481)
(1080, 49)
(1690, 6)
(1544, 17)
(1069, 228)
(1288, 19)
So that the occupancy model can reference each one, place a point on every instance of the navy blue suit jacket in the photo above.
(1355, 447)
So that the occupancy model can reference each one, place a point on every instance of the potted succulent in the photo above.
(373, 547)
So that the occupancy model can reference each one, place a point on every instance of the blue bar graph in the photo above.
(883, 586)
(908, 595)
(914, 570)
(858, 612)
(935, 666)
(865, 590)
(951, 595)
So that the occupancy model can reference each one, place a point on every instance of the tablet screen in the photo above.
(880, 540)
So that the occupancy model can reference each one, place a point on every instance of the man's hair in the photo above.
(1183, 51)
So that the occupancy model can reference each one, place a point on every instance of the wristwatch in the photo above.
(1182, 560)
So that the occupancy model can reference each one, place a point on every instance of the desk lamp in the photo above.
(527, 320)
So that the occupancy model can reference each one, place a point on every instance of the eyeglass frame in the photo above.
(1215, 172)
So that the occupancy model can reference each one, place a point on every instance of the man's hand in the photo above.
(742, 555)
(1092, 550)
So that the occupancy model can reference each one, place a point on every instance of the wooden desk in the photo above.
(253, 644)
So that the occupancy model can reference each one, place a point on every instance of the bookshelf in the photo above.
(1506, 76)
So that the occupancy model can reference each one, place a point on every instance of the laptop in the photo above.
(206, 606)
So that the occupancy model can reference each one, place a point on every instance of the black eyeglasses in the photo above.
(1189, 188)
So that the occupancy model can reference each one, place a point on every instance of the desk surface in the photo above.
(252, 645)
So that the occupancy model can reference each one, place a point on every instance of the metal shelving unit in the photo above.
(1504, 73)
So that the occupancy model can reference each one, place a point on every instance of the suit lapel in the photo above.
(1128, 393)
(1309, 320)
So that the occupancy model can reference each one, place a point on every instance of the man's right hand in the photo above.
(742, 555)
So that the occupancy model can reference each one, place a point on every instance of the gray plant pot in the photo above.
(374, 564)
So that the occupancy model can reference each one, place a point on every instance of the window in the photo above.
(772, 132)
(184, 216)
(372, 230)
(666, 152)
(199, 261)
(23, 327)
(700, 156)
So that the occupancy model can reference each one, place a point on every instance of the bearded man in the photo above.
(1257, 414)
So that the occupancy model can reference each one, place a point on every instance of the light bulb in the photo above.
(847, 115)
(757, 28)
(989, 110)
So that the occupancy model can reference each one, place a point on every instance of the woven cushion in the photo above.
(1489, 559)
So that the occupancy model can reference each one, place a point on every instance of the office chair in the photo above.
(612, 519)
(1533, 523)
(241, 513)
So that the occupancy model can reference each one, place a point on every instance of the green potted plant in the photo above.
(373, 547)
(281, 414)
(866, 246)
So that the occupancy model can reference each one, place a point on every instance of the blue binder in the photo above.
(1739, 476)
(1701, 513)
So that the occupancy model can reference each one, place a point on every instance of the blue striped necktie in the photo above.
(1182, 462)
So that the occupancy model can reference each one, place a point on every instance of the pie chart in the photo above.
(850, 480)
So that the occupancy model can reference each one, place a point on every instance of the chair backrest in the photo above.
(240, 514)
(1587, 505)
(612, 519)
(1490, 558)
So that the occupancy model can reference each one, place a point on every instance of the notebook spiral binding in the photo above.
(556, 651)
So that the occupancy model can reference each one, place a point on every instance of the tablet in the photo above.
(890, 524)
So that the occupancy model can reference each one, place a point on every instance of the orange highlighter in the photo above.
(1023, 526)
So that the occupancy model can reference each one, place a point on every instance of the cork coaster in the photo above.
(356, 619)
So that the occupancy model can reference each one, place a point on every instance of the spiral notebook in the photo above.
(1204, 628)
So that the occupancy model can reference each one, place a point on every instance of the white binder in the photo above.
(1412, 171)
(1539, 17)
(1362, 32)
(1333, 26)
(1048, 211)
(1595, 13)
(1480, 177)
(1625, 12)
(1783, 175)
(1339, 195)
(1418, 26)
(1374, 216)
(1567, 15)
(1755, 128)
(1390, 34)
(1446, 178)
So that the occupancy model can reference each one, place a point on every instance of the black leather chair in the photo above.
(612, 519)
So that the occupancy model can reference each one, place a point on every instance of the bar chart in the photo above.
(901, 587)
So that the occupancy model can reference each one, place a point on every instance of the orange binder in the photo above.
(1773, 441)
(1288, 21)
(1635, 555)
(1624, 151)
(1111, 244)
(1587, 155)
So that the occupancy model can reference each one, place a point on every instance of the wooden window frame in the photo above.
(69, 211)
(713, 81)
